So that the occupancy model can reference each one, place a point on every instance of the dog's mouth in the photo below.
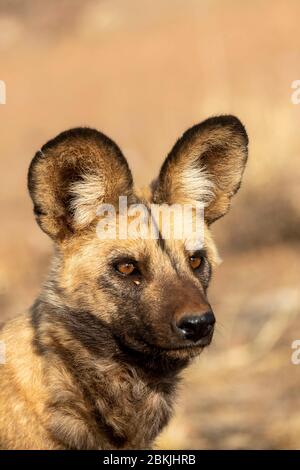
(182, 346)
(203, 343)
(175, 347)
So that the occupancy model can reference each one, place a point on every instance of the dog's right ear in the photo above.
(71, 175)
(206, 164)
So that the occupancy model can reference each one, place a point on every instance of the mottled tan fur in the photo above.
(95, 363)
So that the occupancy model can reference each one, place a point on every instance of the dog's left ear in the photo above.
(206, 165)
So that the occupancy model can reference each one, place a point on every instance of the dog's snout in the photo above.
(194, 327)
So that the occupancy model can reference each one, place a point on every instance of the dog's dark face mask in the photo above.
(150, 295)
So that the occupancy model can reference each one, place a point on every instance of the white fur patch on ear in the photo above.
(218, 260)
(196, 184)
(211, 247)
(87, 194)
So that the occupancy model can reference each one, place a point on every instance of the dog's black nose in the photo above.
(195, 327)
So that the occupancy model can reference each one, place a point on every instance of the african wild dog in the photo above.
(95, 363)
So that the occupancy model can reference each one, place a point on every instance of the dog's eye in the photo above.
(126, 268)
(195, 262)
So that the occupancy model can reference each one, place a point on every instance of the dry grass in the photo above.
(142, 72)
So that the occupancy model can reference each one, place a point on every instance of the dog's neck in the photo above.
(120, 398)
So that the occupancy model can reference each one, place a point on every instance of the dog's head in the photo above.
(150, 292)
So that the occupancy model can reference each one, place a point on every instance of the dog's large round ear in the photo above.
(71, 175)
(206, 165)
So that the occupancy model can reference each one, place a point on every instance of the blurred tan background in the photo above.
(143, 71)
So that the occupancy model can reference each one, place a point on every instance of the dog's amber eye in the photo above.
(126, 268)
(195, 262)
